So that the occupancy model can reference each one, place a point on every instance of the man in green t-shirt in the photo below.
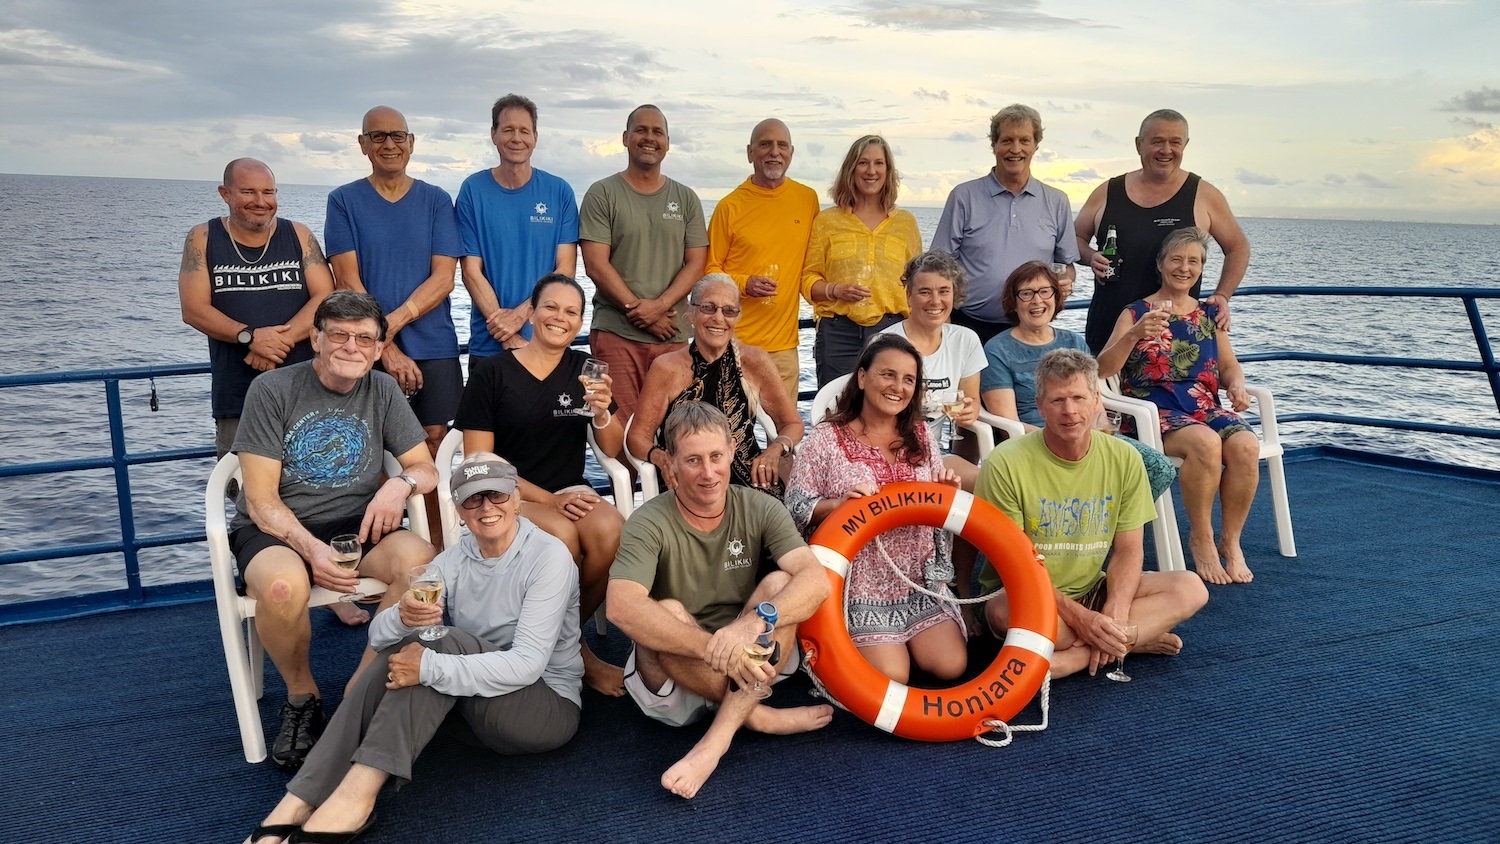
(1082, 497)
(684, 586)
(644, 246)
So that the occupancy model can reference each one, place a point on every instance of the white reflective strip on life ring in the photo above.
(1028, 640)
(832, 560)
(958, 512)
(890, 708)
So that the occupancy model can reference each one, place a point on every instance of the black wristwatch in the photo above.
(245, 336)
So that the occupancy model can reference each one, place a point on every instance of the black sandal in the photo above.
(284, 831)
(302, 836)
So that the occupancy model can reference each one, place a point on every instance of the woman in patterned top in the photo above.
(876, 436)
(1168, 350)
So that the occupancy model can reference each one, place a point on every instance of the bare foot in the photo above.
(1167, 644)
(602, 677)
(1206, 562)
(790, 721)
(1234, 560)
(691, 771)
(350, 613)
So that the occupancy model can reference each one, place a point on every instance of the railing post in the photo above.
(1482, 340)
(122, 491)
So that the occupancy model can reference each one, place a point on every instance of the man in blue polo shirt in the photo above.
(1003, 219)
(518, 224)
(396, 238)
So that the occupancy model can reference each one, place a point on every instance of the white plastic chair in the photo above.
(242, 647)
(1169, 554)
(1271, 451)
(828, 396)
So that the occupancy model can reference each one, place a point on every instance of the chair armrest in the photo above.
(984, 435)
(1147, 421)
(221, 561)
(416, 507)
(1011, 427)
(619, 476)
(644, 469)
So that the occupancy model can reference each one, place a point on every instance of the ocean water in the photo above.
(88, 270)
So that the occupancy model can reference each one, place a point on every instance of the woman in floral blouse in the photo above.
(876, 436)
(1168, 351)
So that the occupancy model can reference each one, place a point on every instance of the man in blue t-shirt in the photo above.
(518, 224)
(396, 238)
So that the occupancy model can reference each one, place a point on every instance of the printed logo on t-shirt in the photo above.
(737, 558)
(673, 212)
(326, 449)
(565, 407)
(541, 215)
(1063, 524)
(1167, 222)
(282, 275)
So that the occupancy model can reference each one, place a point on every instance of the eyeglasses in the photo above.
(1043, 293)
(379, 137)
(495, 497)
(710, 308)
(339, 338)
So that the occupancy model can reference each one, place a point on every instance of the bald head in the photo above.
(382, 117)
(245, 165)
(770, 153)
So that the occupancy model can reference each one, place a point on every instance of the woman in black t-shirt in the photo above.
(530, 407)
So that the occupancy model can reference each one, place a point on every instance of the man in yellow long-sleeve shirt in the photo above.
(758, 235)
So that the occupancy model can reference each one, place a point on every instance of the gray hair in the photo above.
(942, 263)
(710, 280)
(349, 306)
(693, 417)
(1167, 114)
(1179, 237)
(1061, 365)
(1016, 113)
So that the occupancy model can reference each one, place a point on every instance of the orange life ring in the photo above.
(1004, 688)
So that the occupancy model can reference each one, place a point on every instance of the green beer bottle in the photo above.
(1111, 251)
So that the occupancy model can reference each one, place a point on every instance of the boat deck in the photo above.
(1341, 697)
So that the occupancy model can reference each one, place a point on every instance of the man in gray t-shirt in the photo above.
(310, 443)
(683, 588)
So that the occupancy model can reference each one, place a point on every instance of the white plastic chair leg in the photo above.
(257, 655)
(1283, 507)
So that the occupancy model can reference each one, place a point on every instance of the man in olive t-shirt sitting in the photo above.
(1082, 497)
(683, 588)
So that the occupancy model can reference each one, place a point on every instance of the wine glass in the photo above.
(866, 307)
(758, 652)
(427, 587)
(1109, 421)
(773, 272)
(594, 371)
(1131, 631)
(953, 405)
(346, 552)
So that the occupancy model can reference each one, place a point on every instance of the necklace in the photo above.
(683, 505)
(236, 246)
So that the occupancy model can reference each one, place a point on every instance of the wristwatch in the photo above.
(245, 336)
(409, 479)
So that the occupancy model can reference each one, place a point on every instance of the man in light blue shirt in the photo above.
(518, 224)
(1003, 219)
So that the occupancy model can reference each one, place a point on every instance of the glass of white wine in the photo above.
(773, 272)
(1118, 675)
(758, 652)
(865, 308)
(427, 587)
(346, 552)
(953, 405)
(594, 371)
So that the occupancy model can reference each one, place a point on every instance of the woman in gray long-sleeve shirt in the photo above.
(509, 667)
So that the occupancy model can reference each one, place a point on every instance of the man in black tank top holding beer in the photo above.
(251, 283)
(1143, 207)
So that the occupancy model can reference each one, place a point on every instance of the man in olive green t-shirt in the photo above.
(1082, 497)
(683, 588)
(644, 245)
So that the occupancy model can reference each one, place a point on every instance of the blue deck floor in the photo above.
(1345, 696)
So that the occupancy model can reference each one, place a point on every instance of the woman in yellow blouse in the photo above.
(855, 256)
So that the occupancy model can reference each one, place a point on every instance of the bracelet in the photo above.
(832, 295)
(607, 419)
(790, 447)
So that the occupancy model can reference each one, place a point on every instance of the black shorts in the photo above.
(250, 540)
(442, 386)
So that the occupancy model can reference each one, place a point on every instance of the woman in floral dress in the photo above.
(1167, 350)
(876, 436)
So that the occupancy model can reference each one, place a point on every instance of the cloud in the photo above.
(945, 15)
(1088, 174)
(963, 137)
(1103, 137)
(1364, 141)
(326, 142)
(1065, 108)
(1245, 177)
(970, 99)
(827, 39)
(1369, 181)
(598, 102)
(924, 94)
(1334, 180)
(1486, 101)
(815, 149)
(1471, 124)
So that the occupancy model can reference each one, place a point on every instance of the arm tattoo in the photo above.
(313, 254)
(192, 256)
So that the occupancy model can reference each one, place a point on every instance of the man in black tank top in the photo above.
(1144, 206)
(250, 282)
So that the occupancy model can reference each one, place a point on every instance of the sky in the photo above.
(1316, 108)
